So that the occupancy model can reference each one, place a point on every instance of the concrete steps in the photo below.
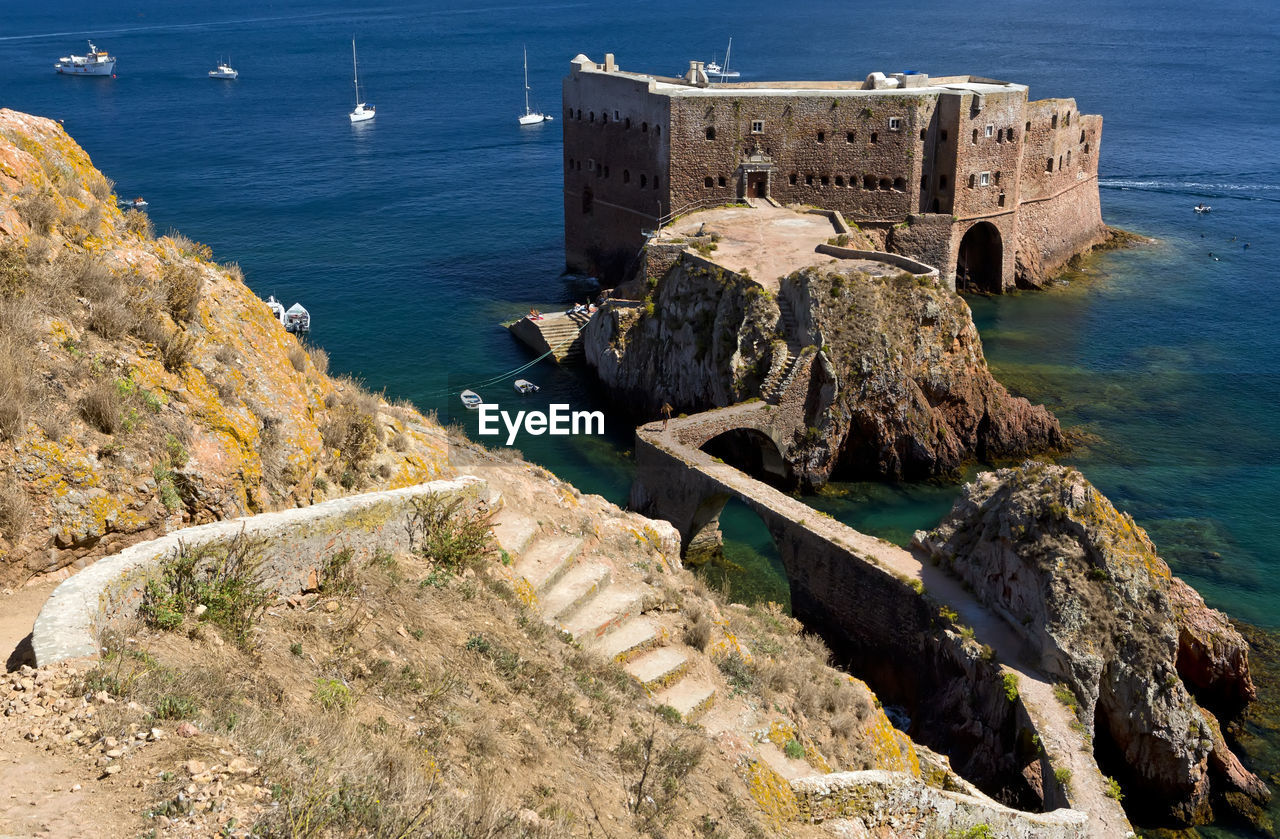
(604, 612)
(513, 532)
(632, 637)
(658, 668)
(691, 697)
(546, 561)
(578, 585)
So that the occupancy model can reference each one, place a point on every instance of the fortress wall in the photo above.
(792, 124)
(620, 139)
(998, 155)
(295, 545)
(1054, 148)
(1051, 232)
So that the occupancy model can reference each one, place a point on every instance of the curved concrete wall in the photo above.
(297, 541)
(894, 259)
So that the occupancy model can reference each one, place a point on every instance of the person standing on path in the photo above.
(666, 414)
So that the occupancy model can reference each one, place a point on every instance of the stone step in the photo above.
(578, 585)
(546, 560)
(632, 637)
(604, 612)
(514, 531)
(691, 697)
(658, 668)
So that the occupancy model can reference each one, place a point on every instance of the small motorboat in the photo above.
(224, 71)
(471, 400)
(1203, 208)
(525, 387)
(297, 320)
(136, 204)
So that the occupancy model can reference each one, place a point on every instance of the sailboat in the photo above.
(362, 111)
(530, 116)
(714, 69)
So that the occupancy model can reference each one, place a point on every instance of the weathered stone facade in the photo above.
(960, 171)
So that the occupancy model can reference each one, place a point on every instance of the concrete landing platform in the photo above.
(557, 333)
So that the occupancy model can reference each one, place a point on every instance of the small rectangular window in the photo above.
(991, 131)
(757, 126)
(895, 123)
(984, 179)
(591, 164)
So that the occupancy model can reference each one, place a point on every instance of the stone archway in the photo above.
(752, 451)
(980, 262)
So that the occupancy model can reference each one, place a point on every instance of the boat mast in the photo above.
(526, 81)
(725, 69)
(355, 70)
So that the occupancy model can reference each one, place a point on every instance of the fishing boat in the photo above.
(524, 387)
(362, 112)
(224, 71)
(96, 63)
(471, 400)
(1203, 208)
(297, 319)
(530, 117)
(714, 69)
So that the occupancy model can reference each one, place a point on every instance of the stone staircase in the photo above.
(606, 609)
(781, 376)
(562, 335)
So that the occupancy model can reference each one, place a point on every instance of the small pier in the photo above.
(559, 333)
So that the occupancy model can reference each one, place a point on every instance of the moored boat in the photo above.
(470, 399)
(362, 112)
(96, 63)
(297, 319)
(525, 387)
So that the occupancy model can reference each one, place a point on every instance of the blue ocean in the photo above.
(412, 237)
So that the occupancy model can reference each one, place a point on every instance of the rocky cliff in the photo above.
(143, 386)
(914, 397)
(1130, 642)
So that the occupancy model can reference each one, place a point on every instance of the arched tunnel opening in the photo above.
(753, 452)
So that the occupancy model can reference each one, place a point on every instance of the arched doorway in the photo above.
(979, 264)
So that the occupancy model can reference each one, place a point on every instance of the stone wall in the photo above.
(295, 544)
(894, 800)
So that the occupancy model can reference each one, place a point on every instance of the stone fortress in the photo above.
(961, 172)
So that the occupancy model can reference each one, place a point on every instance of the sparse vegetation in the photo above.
(1113, 790)
(183, 284)
(15, 509)
(223, 578)
(1009, 682)
(445, 531)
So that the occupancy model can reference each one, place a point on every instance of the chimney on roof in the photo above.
(697, 75)
(610, 65)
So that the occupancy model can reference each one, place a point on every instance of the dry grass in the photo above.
(102, 405)
(177, 349)
(38, 209)
(111, 317)
(15, 509)
(139, 224)
(320, 359)
(102, 187)
(697, 633)
(298, 358)
(183, 285)
(353, 428)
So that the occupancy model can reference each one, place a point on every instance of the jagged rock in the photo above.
(1084, 585)
(1213, 657)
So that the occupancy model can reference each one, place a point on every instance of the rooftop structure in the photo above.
(961, 172)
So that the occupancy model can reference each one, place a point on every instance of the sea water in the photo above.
(411, 237)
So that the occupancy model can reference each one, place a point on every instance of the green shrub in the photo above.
(176, 707)
(225, 578)
(333, 695)
(448, 533)
(794, 749)
(1063, 776)
(1113, 790)
(1010, 683)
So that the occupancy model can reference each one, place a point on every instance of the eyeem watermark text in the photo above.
(559, 421)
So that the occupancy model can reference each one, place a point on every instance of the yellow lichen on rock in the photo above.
(771, 792)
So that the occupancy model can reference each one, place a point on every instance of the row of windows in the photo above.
(602, 171)
(570, 113)
(999, 134)
(850, 137)
(1048, 166)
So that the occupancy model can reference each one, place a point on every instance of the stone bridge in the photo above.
(903, 624)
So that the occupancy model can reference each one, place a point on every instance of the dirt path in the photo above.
(18, 610)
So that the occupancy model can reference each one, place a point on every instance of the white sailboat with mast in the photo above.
(362, 112)
(530, 116)
(722, 73)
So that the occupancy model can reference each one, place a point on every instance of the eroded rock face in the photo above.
(915, 397)
(1083, 583)
(144, 387)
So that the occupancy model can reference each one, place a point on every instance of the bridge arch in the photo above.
(755, 451)
(980, 262)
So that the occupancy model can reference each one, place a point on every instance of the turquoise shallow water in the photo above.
(410, 238)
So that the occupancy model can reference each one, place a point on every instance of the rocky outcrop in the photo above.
(703, 339)
(1085, 586)
(915, 397)
(144, 387)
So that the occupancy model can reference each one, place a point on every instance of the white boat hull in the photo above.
(533, 119)
(361, 114)
(97, 68)
(220, 74)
